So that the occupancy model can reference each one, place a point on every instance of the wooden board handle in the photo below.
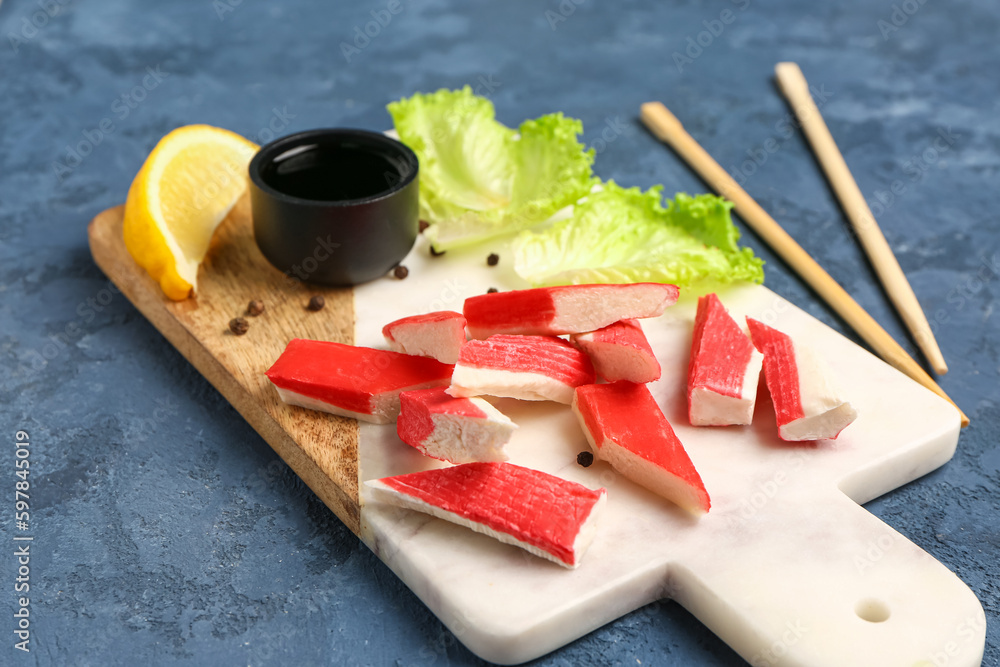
(796, 90)
(665, 126)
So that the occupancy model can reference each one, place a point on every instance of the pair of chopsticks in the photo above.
(665, 126)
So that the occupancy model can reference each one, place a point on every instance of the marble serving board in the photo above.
(787, 568)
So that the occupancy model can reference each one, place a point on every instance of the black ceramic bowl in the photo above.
(334, 207)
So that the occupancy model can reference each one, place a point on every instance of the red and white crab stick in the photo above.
(626, 428)
(458, 430)
(724, 368)
(532, 368)
(438, 335)
(620, 351)
(541, 513)
(358, 382)
(564, 310)
(807, 403)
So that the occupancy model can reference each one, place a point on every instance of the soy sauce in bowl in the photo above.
(335, 207)
(337, 172)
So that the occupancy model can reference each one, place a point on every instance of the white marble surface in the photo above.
(780, 568)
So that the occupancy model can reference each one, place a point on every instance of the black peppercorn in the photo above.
(316, 303)
(239, 326)
(401, 272)
(585, 459)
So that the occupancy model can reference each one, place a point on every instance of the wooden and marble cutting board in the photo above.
(787, 568)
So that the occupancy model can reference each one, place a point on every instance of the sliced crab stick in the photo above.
(459, 430)
(532, 368)
(724, 368)
(807, 403)
(565, 310)
(620, 351)
(438, 335)
(543, 514)
(626, 428)
(351, 381)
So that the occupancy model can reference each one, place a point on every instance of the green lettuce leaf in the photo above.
(620, 235)
(479, 178)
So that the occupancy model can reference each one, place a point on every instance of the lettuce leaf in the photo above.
(479, 178)
(620, 235)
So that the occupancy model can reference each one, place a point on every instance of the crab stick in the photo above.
(459, 430)
(532, 368)
(548, 516)
(724, 368)
(807, 403)
(358, 382)
(620, 351)
(626, 428)
(564, 310)
(438, 335)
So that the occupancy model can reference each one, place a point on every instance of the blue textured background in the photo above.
(167, 532)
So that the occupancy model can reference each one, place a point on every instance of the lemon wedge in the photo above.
(188, 184)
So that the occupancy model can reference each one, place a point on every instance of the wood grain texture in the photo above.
(322, 449)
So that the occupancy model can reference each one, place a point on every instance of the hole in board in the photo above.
(872, 610)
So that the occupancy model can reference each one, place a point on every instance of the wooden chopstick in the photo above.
(796, 90)
(665, 126)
